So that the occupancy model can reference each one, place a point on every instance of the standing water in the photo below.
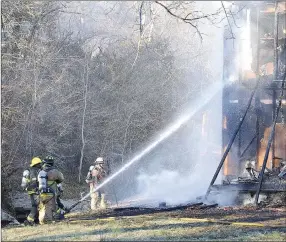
(207, 96)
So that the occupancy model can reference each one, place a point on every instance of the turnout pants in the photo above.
(33, 215)
(47, 208)
(97, 200)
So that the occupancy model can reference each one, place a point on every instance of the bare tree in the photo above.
(188, 16)
(85, 79)
(64, 98)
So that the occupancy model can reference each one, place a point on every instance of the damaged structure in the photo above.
(254, 104)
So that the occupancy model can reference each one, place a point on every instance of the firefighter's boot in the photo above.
(102, 202)
(29, 221)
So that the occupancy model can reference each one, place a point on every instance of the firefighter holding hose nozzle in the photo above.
(95, 177)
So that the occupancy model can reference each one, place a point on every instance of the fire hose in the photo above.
(78, 202)
(75, 204)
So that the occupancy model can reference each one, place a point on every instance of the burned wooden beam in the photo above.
(160, 209)
(179, 207)
(233, 137)
(208, 206)
(130, 209)
(251, 187)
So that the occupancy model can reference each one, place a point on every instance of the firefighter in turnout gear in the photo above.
(30, 184)
(49, 179)
(282, 173)
(249, 166)
(95, 176)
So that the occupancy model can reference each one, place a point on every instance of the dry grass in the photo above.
(164, 227)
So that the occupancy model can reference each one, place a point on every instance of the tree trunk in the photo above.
(85, 79)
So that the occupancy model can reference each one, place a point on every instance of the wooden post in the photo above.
(232, 139)
(270, 140)
(257, 99)
(275, 73)
(275, 42)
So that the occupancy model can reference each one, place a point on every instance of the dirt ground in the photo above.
(192, 224)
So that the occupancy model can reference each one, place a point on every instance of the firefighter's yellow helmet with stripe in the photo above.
(35, 161)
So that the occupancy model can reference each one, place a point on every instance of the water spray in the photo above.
(191, 111)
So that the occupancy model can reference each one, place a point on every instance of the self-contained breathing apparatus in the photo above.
(29, 182)
(43, 182)
(29, 178)
(51, 189)
(46, 192)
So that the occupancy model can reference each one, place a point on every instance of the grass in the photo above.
(164, 227)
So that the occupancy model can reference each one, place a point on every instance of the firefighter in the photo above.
(249, 166)
(282, 54)
(49, 179)
(95, 176)
(282, 173)
(30, 184)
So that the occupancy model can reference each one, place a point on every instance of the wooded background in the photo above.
(88, 79)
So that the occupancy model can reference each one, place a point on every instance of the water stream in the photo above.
(189, 112)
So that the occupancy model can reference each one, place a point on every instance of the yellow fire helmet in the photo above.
(35, 161)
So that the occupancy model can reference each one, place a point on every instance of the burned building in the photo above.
(254, 103)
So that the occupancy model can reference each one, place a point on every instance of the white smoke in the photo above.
(172, 185)
(176, 174)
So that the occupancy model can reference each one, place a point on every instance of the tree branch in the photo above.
(85, 78)
(140, 18)
(232, 36)
(186, 20)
